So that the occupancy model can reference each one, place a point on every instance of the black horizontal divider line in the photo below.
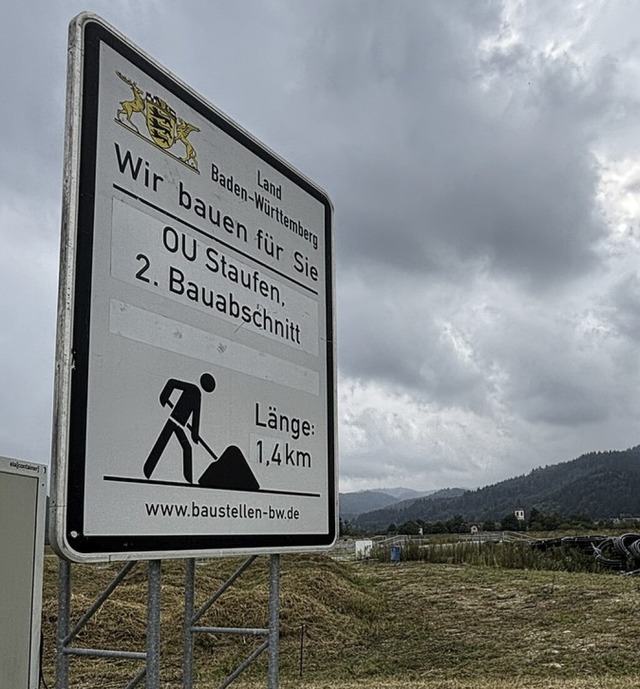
(214, 238)
(127, 479)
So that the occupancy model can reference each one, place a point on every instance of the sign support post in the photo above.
(274, 621)
(64, 612)
(153, 624)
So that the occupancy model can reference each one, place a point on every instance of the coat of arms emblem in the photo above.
(164, 128)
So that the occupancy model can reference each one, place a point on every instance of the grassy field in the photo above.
(377, 625)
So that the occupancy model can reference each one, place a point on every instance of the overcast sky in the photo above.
(483, 158)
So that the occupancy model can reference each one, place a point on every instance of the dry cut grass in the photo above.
(409, 625)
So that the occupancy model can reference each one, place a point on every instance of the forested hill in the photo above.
(353, 504)
(599, 485)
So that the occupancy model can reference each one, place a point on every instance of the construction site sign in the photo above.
(195, 378)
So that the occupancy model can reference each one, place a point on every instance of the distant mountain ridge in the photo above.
(599, 485)
(353, 504)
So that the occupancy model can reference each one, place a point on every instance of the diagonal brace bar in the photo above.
(99, 602)
(243, 666)
(230, 581)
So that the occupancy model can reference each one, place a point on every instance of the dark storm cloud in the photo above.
(459, 156)
(436, 165)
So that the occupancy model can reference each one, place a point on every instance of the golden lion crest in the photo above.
(164, 128)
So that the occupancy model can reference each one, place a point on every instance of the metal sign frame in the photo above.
(77, 421)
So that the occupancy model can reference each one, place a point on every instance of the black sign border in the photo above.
(94, 34)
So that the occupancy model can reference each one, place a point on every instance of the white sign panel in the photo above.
(195, 376)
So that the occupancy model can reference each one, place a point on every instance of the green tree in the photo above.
(551, 522)
(535, 520)
(409, 528)
(457, 524)
(510, 523)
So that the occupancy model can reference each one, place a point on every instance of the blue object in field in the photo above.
(395, 553)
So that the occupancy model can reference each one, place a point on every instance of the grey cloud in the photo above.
(625, 312)
(436, 169)
(550, 372)
(459, 157)
(528, 207)
(390, 333)
(34, 100)
(560, 402)
(28, 272)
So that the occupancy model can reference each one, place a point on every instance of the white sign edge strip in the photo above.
(153, 329)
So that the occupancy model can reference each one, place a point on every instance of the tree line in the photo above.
(536, 520)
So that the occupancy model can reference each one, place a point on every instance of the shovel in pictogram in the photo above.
(229, 471)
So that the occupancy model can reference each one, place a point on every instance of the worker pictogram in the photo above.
(230, 470)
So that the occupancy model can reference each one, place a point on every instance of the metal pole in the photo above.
(153, 624)
(189, 602)
(64, 605)
(274, 620)
(101, 653)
